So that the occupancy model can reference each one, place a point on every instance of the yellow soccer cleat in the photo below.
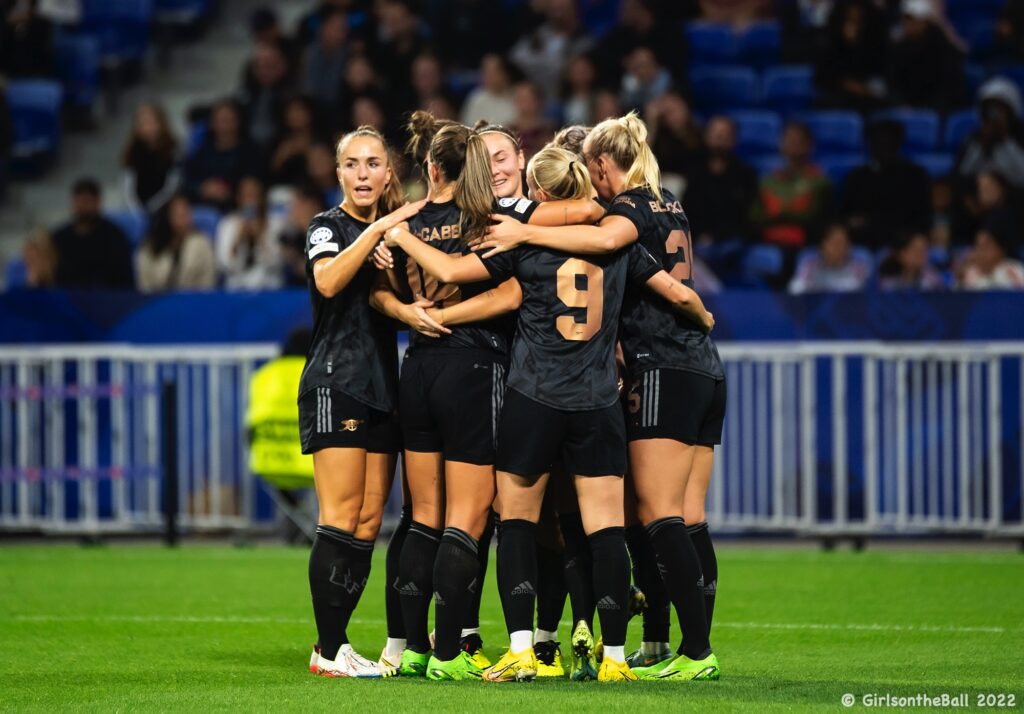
(474, 646)
(513, 667)
(614, 671)
(549, 660)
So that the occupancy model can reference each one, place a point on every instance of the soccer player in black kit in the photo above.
(347, 395)
(562, 401)
(676, 404)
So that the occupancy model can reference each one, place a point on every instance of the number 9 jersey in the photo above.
(653, 333)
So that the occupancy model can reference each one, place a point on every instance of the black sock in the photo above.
(550, 588)
(657, 617)
(517, 576)
(455, 584)
(392, 598)
(578, 568)
(329, 560)
(483, 552)
(611, 583)
(708, 565)
(416, 583)
(680, 570)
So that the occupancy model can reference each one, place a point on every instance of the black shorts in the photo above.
(533, 436)
(449, 400)
(675, 404)
(329, 419)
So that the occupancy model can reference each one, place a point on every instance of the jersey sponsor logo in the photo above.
(350, 424)
(673, 207)
(321, 235)
(506, 202)
(323, 248)
(522, 205)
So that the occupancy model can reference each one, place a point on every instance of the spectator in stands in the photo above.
(793, 200)
(26, 41)
(674, 134)
(469, 31)
(543, 54)
(325, 60)
(925, 66)
(722, 187)
(150, 160)
(989, 265)
(644, 81)
(993, 197)
(738, 13)
(265, 28)
(264, 94)
(906, 266)
(999, 142)
(804, 26)
(321, 167)
(606, 105)
(367, 111)
(298, 134)
(642, 23)
(307, 201)
(213, 172)
(578, 91)
(532, 126)
(40, 258)
(175, 256)
(889, 196)
(833, 267)
(6, 139)
(426, 80)
(401, 38)
(1009, 31)
(361, 80)
(492, 99)
(850, 69)
(247, 246)
(92, 252)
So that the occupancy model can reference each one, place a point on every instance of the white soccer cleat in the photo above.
(390, 660)
(314, 659)
(349, 663)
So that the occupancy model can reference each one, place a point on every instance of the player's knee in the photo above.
(369, 525)
(340, 518)
(429, 514)
(693, 513)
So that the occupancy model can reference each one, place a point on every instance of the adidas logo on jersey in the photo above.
(607, 603)
(524, 588)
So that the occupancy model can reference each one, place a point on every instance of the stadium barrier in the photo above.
(824, 439)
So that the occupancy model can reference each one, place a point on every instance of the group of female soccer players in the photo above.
(559, 386)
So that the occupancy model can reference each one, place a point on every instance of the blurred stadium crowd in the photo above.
(818, 145)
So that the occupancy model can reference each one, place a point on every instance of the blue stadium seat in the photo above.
(35, 113)
(981, 38)
(206, 219)
(121, 26)
(133, 224)
(837, 166)
(723, 88)
(835, 131)
(182, 12)
(760, 44)
(938, 165)
(78, 66)
(958, 127)
(788, 89)
(921, 125)
(757, 131)
(15, 274)
(766, 163)
(710, 43)
(761, 264)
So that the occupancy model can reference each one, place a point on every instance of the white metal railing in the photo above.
(820, 438)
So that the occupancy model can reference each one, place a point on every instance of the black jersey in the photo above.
(563, 354)
(353, 349)
(440, 225)
(654, 334)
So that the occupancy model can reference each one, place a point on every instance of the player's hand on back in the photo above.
(420, 320)
(502, 236)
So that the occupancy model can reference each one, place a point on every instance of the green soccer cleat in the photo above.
(413, 664)
(583, 667)
(460, 668)
(682, 668)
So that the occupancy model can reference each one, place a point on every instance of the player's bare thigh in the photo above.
(697, 488)
(380, 474)
(469, 493)
(660, 469)
(340, 479)
(424, 474)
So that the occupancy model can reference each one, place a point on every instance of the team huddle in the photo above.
(560, 392)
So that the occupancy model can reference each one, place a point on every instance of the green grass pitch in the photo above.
(140, 628)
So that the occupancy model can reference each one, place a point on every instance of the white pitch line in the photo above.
(256, 620)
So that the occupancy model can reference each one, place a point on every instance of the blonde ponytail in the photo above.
(472, 192)
(624, 140)
(560, 173)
